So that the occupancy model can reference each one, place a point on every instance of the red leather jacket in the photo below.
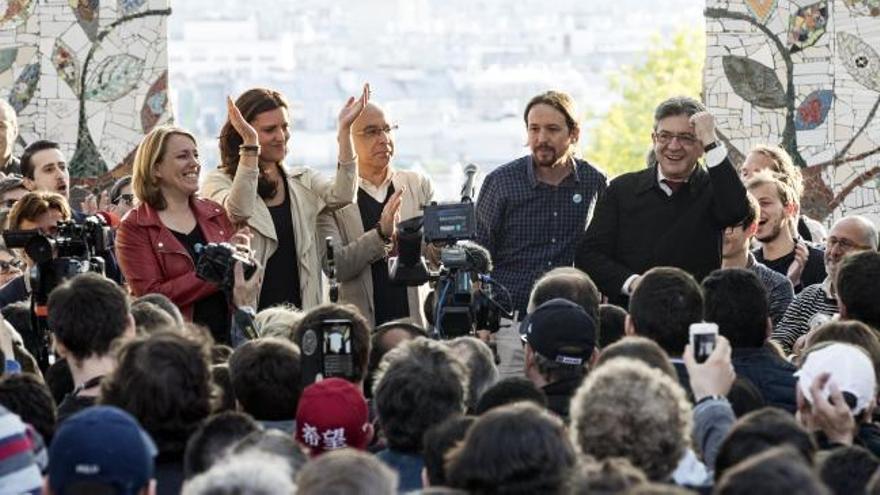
(154, 261)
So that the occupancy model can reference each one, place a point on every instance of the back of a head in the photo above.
(514, 449)
(384, 338)
(19, 470)
(736, 300)
(759, 431)
(510, 390)
(360, 332)
(778, 470)
(642, 349)
(276, 443)
(266, 378)
(418, 384)
(849, 332)
(438, 441)
(847, 470)
(612, 324)
(607, 477)
(251, 474)
(480, 363)
(104, 303)
(150, 318)
(346, 472)
(624, 408)
(164, 381)
(567, 283)
(214, 437)
(165, 303)
(857, 287)
(27, 396)
(278, 321)
(663, 306)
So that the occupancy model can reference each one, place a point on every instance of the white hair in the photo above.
(254, 473)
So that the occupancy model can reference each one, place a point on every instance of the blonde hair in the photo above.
(149, 152)
(787, 194)
(783, 166)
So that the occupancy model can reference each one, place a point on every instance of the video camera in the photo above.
(458, 308)
(71, 251)
(216, 264)
(326, 351)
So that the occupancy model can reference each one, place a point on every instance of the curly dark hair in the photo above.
(27, 396)
(663, 306)
(419, 384)
(266, 378)
(164, 381)
(520, 448)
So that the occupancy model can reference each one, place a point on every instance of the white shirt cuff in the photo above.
(716, 155)
(626, 290)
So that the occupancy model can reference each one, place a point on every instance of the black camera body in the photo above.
(326, 351)
(216, 264)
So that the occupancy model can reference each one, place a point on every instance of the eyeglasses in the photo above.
(375, 131)
(8, 266)
(687, 140)
(843, 244)
(128, 198)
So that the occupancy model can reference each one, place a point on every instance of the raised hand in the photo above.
(716, 375)
(704, 127)
(796, 268)
(353, 109)
(242, 127)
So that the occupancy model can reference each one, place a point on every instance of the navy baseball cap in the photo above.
(561, 331)
(100, 449)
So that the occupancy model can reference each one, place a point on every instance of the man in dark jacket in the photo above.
(560, 346)
(671, 214)
(736, 300)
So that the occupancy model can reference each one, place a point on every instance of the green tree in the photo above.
(674, 66)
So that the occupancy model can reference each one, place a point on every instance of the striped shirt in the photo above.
(814, 306)
(19, 472)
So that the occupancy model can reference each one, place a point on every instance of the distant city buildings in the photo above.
(454, 74)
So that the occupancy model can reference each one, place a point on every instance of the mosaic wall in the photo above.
(89, 74)
(804, 75)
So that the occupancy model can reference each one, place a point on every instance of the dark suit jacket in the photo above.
(636, 226)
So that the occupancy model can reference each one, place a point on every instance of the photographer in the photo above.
(35, 210)
(157, 242)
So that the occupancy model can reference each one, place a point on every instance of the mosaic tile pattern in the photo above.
(806, 76)
(89, 74)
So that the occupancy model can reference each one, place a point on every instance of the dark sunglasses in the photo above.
(128, 198)
(9, 203)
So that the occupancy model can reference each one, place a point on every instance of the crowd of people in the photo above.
(240, 333)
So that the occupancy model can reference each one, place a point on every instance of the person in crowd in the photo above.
(848, 332)
(360, 334)
(274, 442)
(100, 450)
(836, 403)
(266, 378)
(214, 438)
(662, 308)
(384, 338)
(419, 384)
(644, 404)
(22, 456)
(642, 349)
(735, 300)
(777, 470)
(9, 164)
(347, 471)
(566, 283)
(363, 232)
(150, 318)
(164, 381)
(162, 301)
(515, 449)
(778, 161)
(10, 265)
(612, 475)
(34, 211)
(11, 190)
(157, 242)
(612, 324)
(26, 395)
(510, 390)
(480, 362)
(858, 297)
(121, 196)
(332, 414)
(278, 321)
(671, 214)
(736, 253)
(817, 303)
(847, 470)
(438, 441)
(44, 168)
(252, 473)
(88, 344)
(531, 213)
(280, 206)
(780, 250)
(560, 340)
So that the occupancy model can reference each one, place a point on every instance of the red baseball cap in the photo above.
(332, 414)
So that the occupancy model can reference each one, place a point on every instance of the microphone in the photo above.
(467, 190)
(478, 255)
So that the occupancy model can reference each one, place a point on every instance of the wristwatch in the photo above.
(711, 146)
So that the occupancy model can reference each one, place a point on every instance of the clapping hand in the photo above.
(353, 109)
(242, 127)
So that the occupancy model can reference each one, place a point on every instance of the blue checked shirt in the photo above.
(530, 227)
